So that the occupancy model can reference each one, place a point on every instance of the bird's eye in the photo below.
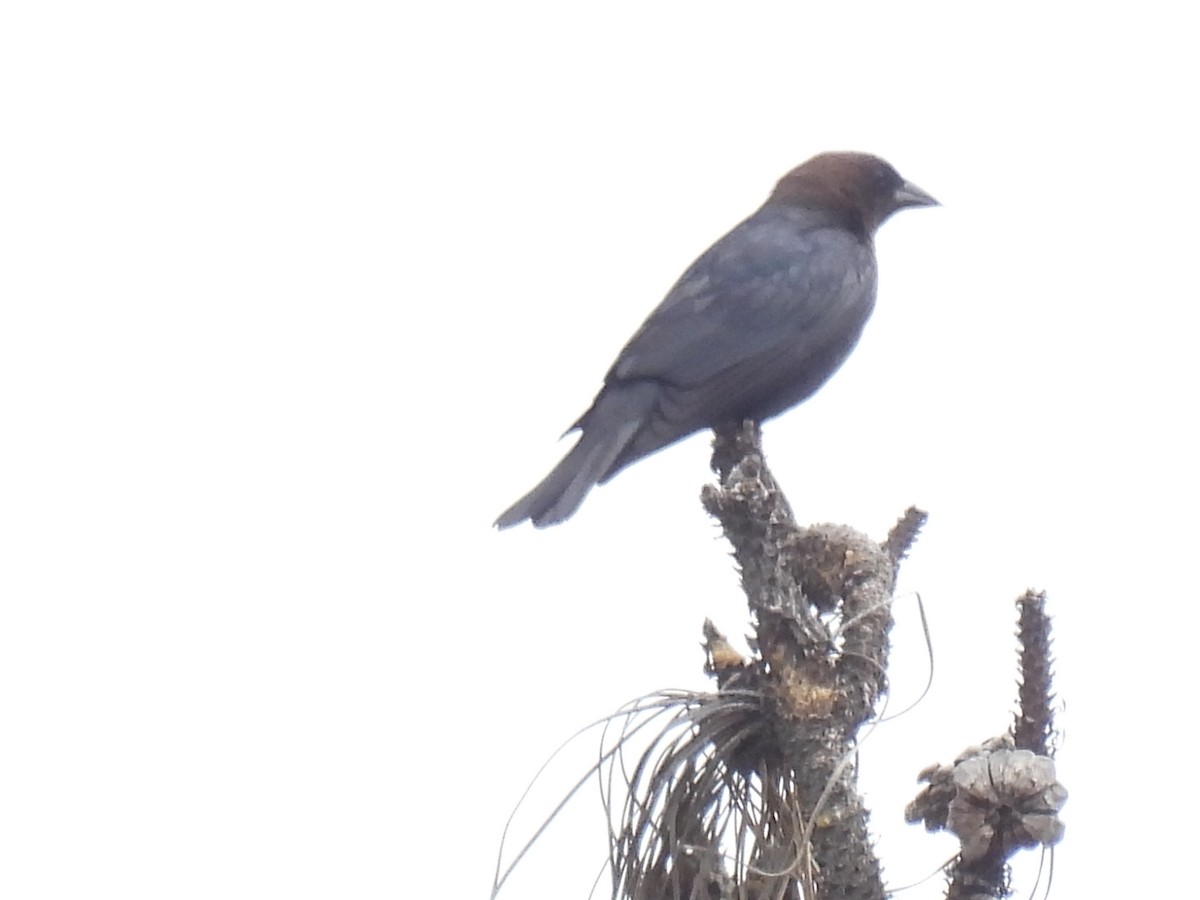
(885, 178)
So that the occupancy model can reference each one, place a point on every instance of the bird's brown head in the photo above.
(856, 190)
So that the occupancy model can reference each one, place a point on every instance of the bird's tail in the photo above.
(607, 429)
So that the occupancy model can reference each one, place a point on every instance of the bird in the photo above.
(754, 326)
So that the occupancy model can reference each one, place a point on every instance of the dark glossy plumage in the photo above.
(755, 325)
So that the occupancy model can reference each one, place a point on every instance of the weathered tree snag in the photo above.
(750, 792)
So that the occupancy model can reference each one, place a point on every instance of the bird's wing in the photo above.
(769, 284)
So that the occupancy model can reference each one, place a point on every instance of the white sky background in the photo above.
(297, 297)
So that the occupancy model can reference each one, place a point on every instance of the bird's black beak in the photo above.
(908, 194)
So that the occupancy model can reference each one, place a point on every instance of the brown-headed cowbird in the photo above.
(754, 326)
